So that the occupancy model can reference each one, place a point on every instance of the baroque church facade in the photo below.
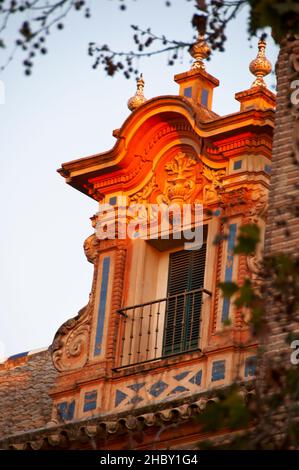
(156, 340)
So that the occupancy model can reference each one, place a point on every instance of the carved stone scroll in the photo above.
(71, 342)
(211, 190)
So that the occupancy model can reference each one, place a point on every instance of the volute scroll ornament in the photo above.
(143, 196)
(71, 343)
(254, 264)
(91, 248)
(259, 204)
(70, 346)
(211, 190)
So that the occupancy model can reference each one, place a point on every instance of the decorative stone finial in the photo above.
(260, 66)
(199, 51)
(138, 99)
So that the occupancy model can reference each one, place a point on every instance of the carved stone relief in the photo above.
(91, 248)
(71, 342)
(181, 177)
(143, 196)
(185, 180)
(211, 189)
(235, 201)
(259, 204)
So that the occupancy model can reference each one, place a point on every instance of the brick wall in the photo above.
(283, 211)
(282, 231)
(24, 400)
(282, 236)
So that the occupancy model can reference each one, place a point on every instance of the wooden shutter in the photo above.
(182, 322)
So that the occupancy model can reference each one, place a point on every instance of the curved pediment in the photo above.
(180, 176)
(155, 132)
(158, 128)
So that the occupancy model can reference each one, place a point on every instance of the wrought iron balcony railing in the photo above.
(154, 330)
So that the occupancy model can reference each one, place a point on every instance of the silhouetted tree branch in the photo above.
(38, 18)
(213, 19)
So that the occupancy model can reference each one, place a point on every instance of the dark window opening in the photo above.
(113, 200)
(204, 97)
(188, 92)
(183, 309)
(237, 165)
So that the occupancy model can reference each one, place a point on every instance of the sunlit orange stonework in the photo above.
(118, 386)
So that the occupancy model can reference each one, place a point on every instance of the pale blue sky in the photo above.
(64, 111)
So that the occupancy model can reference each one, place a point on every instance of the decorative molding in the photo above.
(94, 192)
(70, 347)
(211, 190)
(116, 302)
(260, 66)
(249, 201)
(182, 183)
(159, 387)
(130, 175)
(259, 204)
(181, 180)
(66, 436)
(233, 202)
(228, 274)
(219, 278)
(142, 196)
(254, 264)
(121, 178)
(176, 127)
(71, 342)
(91, 248)
(251, 143)
(210, 183)
(254, 268)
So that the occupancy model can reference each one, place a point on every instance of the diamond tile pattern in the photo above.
(158, 388)
(172, 382)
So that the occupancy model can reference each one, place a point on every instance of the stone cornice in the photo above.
(76, 434)
(180, 117)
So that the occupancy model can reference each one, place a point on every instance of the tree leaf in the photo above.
(248, 238)
(228, 288)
